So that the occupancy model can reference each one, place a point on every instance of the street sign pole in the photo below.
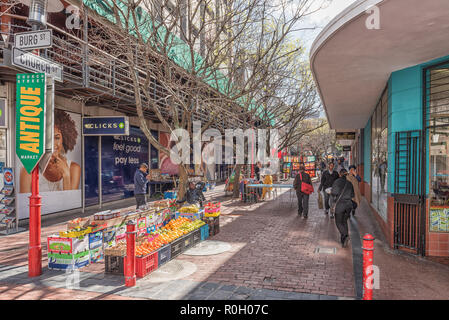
(30, 146)
(35, 248)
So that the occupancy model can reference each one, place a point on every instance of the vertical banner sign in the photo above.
(30, 118)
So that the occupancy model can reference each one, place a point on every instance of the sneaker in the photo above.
(305, 216)
(345, 242)
(299, 213)
(332, 216)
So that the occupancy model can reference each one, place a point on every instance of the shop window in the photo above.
(438, 125)
(379, 158)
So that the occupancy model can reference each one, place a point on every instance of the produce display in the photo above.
(189, 209)
(75, 233)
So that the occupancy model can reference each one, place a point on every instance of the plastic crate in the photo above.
(188, 241)
(176, 247)
(164, 255)
(114, 264)
(196, 236)
(204, 232)
(146, 265)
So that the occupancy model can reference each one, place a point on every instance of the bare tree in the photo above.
(218, 61)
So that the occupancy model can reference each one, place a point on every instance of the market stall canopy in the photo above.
(351, 64)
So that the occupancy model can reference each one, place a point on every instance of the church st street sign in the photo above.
(105, 126)
(34, 63)
(30, 118)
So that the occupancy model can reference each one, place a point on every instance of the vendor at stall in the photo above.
(268, 179)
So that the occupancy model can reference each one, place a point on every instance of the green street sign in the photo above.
(30, 118)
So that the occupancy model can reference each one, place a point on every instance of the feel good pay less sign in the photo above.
(30, 118)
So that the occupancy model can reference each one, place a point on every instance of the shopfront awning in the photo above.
(351, 64)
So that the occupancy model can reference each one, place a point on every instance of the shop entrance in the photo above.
(409, 218)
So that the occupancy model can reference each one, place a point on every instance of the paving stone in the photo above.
(244, 290)
(239, 296)
(220, 295)
(228, 288)
(210, 286)
(324, 297)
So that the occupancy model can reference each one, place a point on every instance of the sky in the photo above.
(319, 19)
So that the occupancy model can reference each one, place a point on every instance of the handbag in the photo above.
(305, 187)
(320, 201)
(334, 205)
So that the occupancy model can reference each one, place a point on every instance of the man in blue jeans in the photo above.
(141, 179)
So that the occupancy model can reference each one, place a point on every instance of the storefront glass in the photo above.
(3, 154)
(120, 158)
(91, 170)
(379, 164)
(438, 124)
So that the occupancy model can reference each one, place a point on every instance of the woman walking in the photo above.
(343, 192)
(303, 198)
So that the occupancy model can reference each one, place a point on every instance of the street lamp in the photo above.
(37, 17)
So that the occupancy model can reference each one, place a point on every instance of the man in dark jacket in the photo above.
(327, 180)
(303, 199)
(343, 192)
(140, 184)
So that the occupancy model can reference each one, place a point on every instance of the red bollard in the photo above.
(130, 258)
(368, 253)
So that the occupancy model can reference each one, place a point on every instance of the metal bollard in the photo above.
(130, 258)
(368, 254)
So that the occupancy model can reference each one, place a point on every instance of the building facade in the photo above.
(103, 167)
(390, 85)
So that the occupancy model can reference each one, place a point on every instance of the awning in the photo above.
(351, 64)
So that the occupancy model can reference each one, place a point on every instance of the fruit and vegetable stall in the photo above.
(163, 232)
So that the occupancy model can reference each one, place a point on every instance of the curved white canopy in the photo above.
(351, 64)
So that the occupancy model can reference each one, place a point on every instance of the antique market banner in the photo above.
(30, 118)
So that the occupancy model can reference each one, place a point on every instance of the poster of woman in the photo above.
(62, 177)
(166, 165)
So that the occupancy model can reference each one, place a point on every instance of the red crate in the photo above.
(146, 265)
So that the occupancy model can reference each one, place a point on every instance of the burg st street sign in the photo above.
(30, 118)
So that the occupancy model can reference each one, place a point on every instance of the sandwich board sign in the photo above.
(30, 118)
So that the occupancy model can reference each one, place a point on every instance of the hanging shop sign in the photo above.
(346, 148)
(34, 63)
(345, 135)
(30, 118)
(34, 39)
(106, 126)
(3, 122)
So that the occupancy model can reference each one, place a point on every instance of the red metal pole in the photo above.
(368, 252)
(130, 259)
(35, 249)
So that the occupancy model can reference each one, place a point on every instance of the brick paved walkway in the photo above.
(273, 256)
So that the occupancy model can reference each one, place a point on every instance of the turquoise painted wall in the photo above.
(405, 108)
(367, 153)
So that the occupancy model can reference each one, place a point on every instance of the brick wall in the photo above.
(437, 243)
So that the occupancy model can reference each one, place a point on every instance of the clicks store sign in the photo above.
(105, 126)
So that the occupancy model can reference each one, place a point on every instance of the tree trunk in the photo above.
(236, 189)
(183, 181)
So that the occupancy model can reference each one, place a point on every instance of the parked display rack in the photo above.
(8, 212)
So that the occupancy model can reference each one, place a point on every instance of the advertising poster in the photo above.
(166, 165)
(121, 157)
(439, 219)
(60, 184)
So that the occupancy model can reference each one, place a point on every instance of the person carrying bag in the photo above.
(343, 191)
(303, 186)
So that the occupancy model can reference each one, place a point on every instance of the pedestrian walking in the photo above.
(257, 170)
(352, 177)
(327, 179)
(343, 193)
(303, 187)
(141, 178)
